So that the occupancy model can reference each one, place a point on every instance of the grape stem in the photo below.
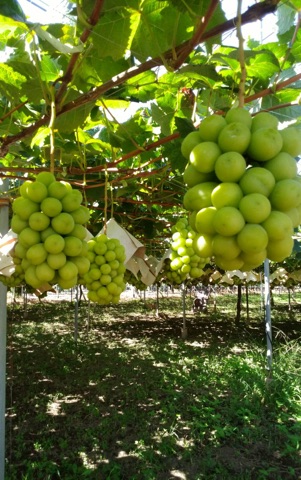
(51, 131)
(243, 70)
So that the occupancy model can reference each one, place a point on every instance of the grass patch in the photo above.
(132, 400)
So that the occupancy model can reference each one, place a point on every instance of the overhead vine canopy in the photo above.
(63, 86)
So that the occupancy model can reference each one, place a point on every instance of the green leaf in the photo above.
(262, 66)
(112, 34)
(115, 103)
(40, 136)
(195, 8)
(50, 69)
(200, 72)
(162, 118)
(10, 82)
(94, 71)
(296, 4)
(160, 28)
(88, 140)
(184, 126)
(142, 87)
(173, 152)
(22, 63)
(10, 29)
(116, 140)
(69, 121)
(285, 18)
(12, 10)
(33, 91)
(296, 48)
(136, 131)
(8, 128)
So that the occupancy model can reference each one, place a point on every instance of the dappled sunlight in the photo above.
(54, 407)
(130, 397)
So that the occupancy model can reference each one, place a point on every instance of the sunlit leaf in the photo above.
(40, 136)
(10, 81)
(50, 69)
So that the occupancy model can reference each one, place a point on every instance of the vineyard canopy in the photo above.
(106, 97)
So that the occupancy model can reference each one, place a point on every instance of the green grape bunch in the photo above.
(243, 189)
(49, 218)
(185, 263)
(136, 282)
(105, 276)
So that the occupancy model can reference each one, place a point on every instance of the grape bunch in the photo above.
(184, 262)
(135, 281)
(244, 192)
(48, 218)
(105, 277)
(17, 277)
(14, 280)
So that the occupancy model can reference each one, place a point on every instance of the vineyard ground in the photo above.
(119, 394)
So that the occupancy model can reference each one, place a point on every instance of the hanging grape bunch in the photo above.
(16, 278)
(48, 218)
(244, 193)
(134, 280)
(105, 277)
(184, 262)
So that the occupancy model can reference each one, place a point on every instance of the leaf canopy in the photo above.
(118, 85)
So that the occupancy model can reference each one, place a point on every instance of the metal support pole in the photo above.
(76, 315)
(89, 316)
(4, 210)
(157, 300)
(268, 322)
(184, 331)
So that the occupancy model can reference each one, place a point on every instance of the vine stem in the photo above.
(196, 39)
(106, 201)
(68, 75)
(14, 109)
(51, 131)
(241, 56)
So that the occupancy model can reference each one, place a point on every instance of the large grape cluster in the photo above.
(184, 261)
(48, 218)
(105, 277)
(244, 192)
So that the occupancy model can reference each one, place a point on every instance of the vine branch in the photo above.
(196, 39)
(67, 77)
(254, 13)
